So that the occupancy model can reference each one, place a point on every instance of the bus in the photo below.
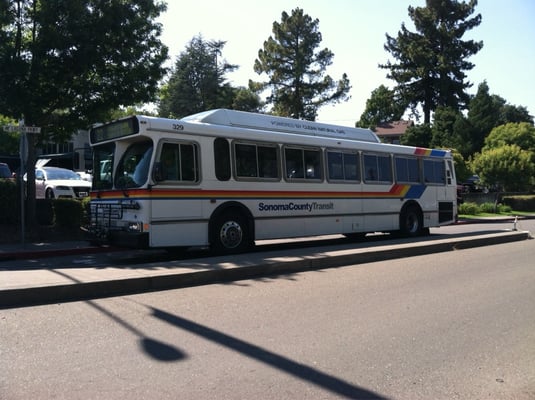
(225, 179)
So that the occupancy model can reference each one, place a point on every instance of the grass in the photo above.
(511, 214)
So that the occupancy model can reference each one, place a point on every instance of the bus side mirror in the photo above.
(157, 172)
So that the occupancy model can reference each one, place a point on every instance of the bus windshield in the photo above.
(103, 166)
(133, 168)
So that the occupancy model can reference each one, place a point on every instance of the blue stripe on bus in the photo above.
(415, 192)
(438, 153)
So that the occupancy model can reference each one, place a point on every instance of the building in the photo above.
(74, 154)
(391, 132)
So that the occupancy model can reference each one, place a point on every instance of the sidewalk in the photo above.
(21, 286)
(20, 251)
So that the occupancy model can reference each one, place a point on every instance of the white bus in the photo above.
(226, 178)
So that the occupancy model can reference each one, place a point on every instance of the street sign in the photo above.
(11, 128)
(25, 129)
(31, 129)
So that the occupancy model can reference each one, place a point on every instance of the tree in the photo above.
(66, 64)
(521, 134)
(451, 130)
(483, 114)
(296, 71)
(198, 81)
(512, 113)
(507, 166)
(487, 111)
(382, 106)
(418, 135)
(431, 63)
(246, 100)
(9, 141)
(462, 170)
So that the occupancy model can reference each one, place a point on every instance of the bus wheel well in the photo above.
(231, 228)
(411, 220)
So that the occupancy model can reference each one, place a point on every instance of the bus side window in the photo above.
(222, 159)
(434, 172)
(188, 162)
(268, 162)
(370, 168)
(294, 163)
(169, 162)
(378, 168)
(407, 169)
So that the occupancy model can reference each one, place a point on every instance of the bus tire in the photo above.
(230, 234)
(411, 221)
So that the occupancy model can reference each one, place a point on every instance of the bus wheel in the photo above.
(230, 234)
(411, 222)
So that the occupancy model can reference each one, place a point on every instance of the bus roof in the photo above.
(267, 122)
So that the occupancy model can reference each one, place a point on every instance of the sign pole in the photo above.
(23, 153)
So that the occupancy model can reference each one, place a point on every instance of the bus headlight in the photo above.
(134, 227)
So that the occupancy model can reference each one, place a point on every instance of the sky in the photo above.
(354, 30)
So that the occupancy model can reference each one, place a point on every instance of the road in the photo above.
(456, 325)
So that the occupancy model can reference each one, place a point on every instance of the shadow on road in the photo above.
(304, 372)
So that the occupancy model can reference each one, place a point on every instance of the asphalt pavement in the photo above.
(29, 285)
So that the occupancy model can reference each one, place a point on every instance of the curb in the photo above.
(20, 297)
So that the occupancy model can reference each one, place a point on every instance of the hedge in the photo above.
(9, 202)
(67, 213)
(520, 202)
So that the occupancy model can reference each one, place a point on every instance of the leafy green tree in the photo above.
(138, 109)
(296, 71)
(66, 64)
(9, 141)
(462, 168)
(508, 167)
(430, 64)
(521, 134)
(382, 106)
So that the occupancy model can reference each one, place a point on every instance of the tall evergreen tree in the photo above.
(66, 64)
(483, 115)
(430, 64)
(296, 70)
(198, 82)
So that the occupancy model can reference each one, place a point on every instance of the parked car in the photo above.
(473, 184)
(5, 171)
(54, 182)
